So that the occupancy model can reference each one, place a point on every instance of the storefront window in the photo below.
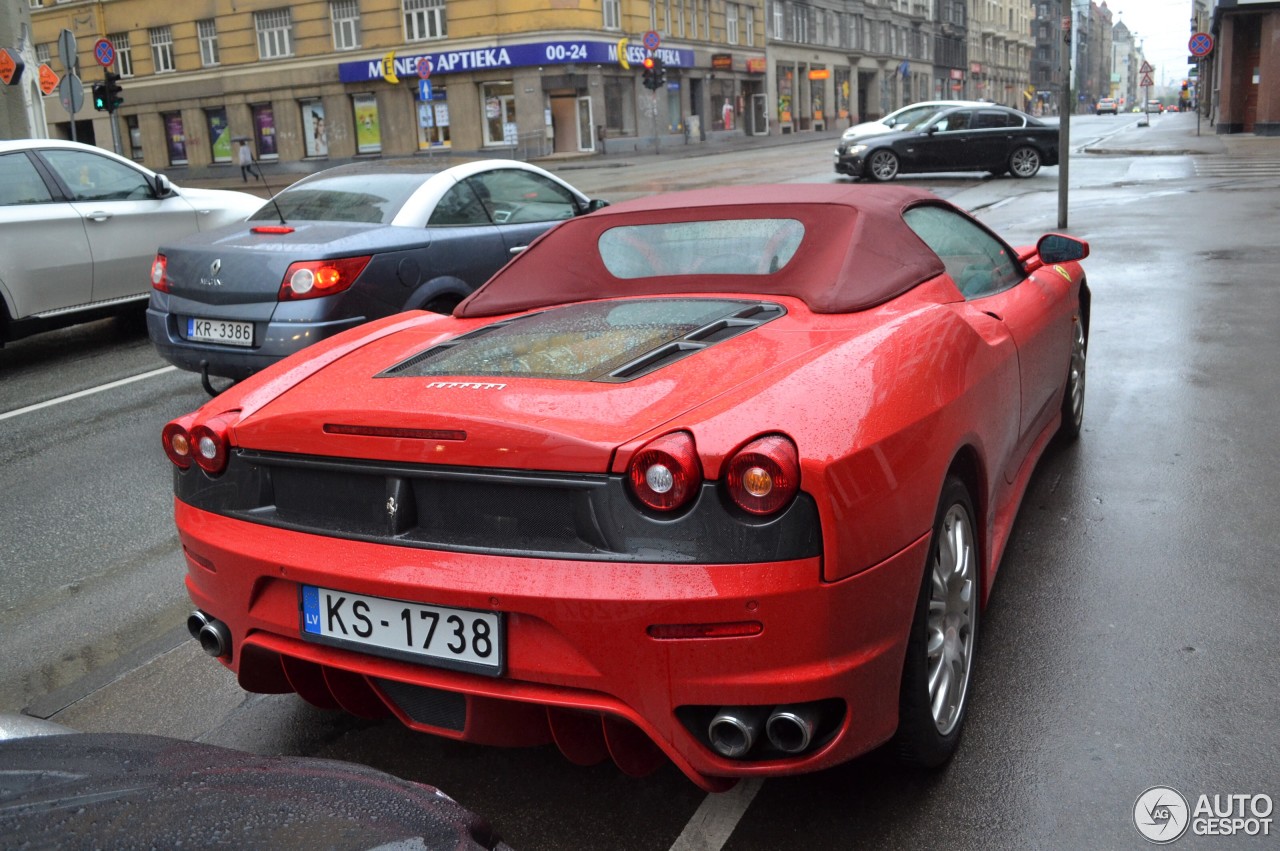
(433, 120)
(219, 134)
(368, 131)
(135, 137)
(175, 137)
(264, 129)
(498, 103)
(786, 81)
(315, 137)
(843, 89)
(620, 106)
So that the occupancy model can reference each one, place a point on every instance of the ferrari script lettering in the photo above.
(465, 385)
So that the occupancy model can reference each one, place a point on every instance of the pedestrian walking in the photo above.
(245, 157)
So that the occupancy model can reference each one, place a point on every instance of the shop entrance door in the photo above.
(759, 115)
(586, 126)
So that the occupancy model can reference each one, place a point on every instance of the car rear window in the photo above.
(715, 247)
(369, 198)
(592, 341)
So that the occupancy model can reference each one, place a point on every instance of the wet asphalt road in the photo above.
(1129, 642)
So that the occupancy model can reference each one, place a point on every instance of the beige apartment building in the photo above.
(1000, 48)
(337, 79)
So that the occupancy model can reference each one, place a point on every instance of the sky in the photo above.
(1163, 28)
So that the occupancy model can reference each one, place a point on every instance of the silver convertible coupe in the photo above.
(341, 247)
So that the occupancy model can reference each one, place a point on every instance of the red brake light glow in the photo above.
(160, 273)
(278, 229)
(764, 475)
(666, 474)
(316, 278)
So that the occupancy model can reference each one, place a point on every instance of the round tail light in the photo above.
(177, 444)
(211, 445)
(666, 474)
(764, 475)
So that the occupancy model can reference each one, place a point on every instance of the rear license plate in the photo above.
(463, 639)
(220, 331)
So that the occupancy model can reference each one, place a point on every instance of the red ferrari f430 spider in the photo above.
(721, 477)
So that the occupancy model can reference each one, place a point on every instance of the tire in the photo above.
(1024, 162)
(938, 669)
(1073, 393)
(443, 304)
(882, 166)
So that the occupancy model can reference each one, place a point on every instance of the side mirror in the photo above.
(595, 204)
(1059, 248)
(163, 188)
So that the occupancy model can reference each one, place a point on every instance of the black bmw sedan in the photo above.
(987, 138)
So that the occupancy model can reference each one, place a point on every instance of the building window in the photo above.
(612, 14)
(161, 50)
(778, 30)
(219, 134)
(275, 36)
(44, 54)
(498, 103)
(175, 137)
(346, 24)
(424, 20)
(368, 129)
(731, 22)
(750, 24)
(124, 57)
(315, 138)
(207, 30)
(35, 4)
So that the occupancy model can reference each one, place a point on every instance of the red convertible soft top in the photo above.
(856, 251)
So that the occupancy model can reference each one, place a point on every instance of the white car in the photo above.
(79, 228)
(900, 118)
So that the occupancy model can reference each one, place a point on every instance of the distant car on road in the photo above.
(341, 247)
(1107, 106)
(969, 138)
(901, 118)
(79, 227)
(1154, 106)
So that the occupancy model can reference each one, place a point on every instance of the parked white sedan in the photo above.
(79, 227)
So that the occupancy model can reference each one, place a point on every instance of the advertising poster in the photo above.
(264, 128)
(315, 136)
(219, 135)
(175, 138)
(368, 133)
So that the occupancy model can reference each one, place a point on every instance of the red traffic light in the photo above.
(648, 62)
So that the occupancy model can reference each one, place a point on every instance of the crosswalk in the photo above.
(1238, 167)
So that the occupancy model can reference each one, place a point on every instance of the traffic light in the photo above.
(650, 74)
(659, 73)
(112, 94)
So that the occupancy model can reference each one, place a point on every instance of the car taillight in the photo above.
(177, 444)
(666, 473)
(764, 475)
(160, 273)
(210, 445)
(316, 278)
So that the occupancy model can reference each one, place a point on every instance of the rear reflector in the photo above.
(384, 431)
(705, 630)
(281, 229)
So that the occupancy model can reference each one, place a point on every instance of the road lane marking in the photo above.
(89, 392)
(716, 818)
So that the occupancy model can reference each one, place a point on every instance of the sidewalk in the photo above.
(1169, 134)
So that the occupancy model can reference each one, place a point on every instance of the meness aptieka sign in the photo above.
(511, 56)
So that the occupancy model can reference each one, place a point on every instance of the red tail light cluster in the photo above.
(666, 473)
(208, 444)
(317, 278)
(764, 475)
(160, 273)
(761, 478)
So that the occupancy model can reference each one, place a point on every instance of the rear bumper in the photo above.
(273, 341)
(581, 666)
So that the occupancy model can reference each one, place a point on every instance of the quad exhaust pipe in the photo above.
(213, 634)
(735, 730)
